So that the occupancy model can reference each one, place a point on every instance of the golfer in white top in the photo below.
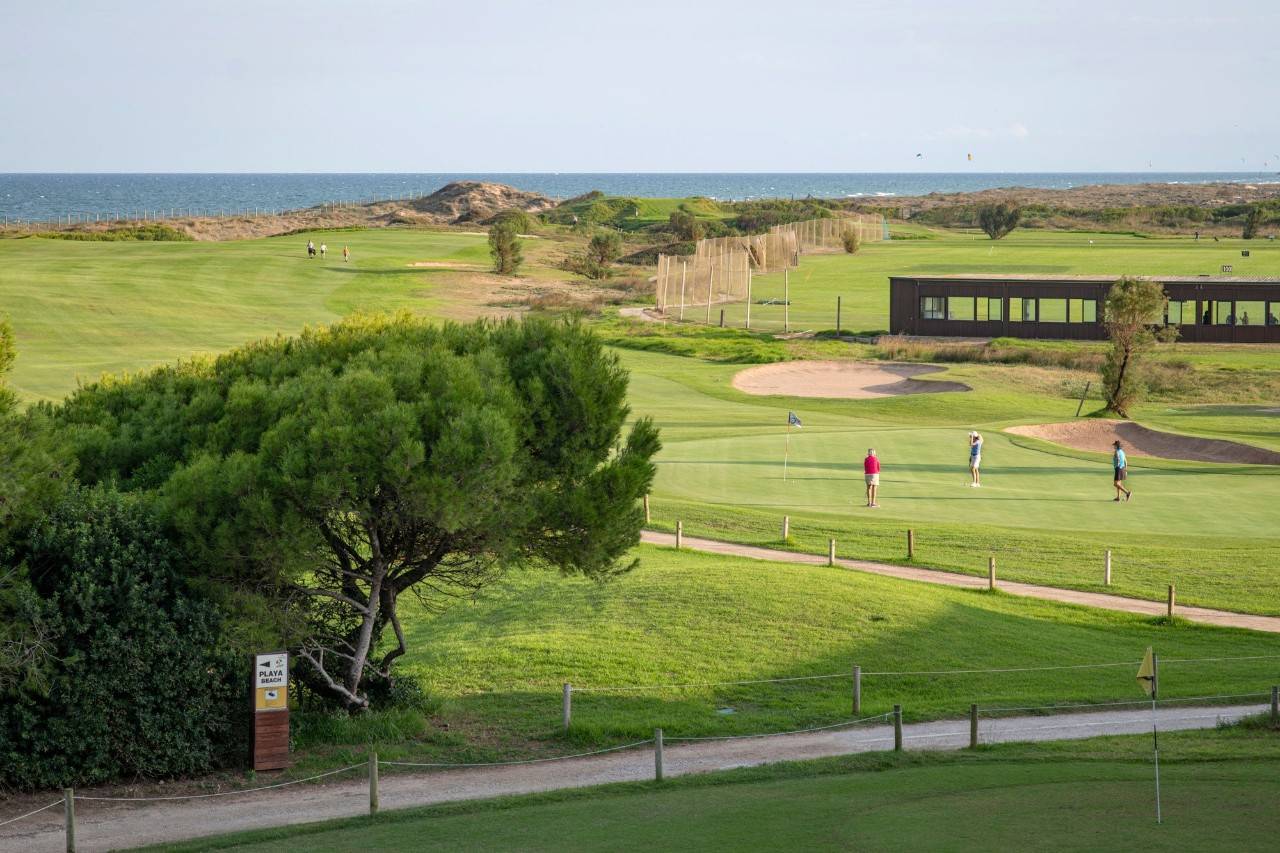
(975, 459)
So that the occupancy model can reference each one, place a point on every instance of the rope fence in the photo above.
(516, 763)
(841, 725)
(30, 813)
(221, 793)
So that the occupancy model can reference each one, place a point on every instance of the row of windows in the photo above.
(1021, 310)
(1223, 312)
(1028, 310)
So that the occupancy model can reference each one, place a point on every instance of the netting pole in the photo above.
(786, 300)
(748, 295)
(710, 289)
(684, 273)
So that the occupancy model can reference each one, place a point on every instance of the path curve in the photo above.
(102, 826)
(1104, 601)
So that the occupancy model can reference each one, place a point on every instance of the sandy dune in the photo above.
(1098, 435)
(853, 380)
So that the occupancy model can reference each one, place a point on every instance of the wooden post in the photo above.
(748, 296)
(710, 289)
(679, 533)
(657, 755)
(857, 690)
(786, 527)
(373, 783)
(566, 710)
(1106, 572)
(646, 509)
(69, 812)
(1171, 600)
(786, 300)
(991, 572)
(973, 726)
(684, 273)
(1275, 705)
(837, 315)
(722, 318)
(831, 552)
(911, 544)
(897, 728)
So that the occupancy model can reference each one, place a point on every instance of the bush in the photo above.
(596, 262)
(1251, 222)
(157, 232)
(124, 671)
(518, 219)
(997, 220)
(685, 226)
(504, 248)
(851, 241)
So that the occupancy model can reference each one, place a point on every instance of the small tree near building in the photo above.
(1252, 221)
(504, 247)
(997, 220)
(1132, 308)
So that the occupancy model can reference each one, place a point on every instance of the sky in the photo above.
(650, 86)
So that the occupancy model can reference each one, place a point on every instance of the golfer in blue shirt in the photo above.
(1122, 472)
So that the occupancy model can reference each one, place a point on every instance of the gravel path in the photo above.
(1100, 600)
(106, 826)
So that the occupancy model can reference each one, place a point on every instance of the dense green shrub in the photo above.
(504, 248)
(518, 219)
(155, 231)
(114, 666)
(997, 220)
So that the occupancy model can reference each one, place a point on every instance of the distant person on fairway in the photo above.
(871, 470)
(311, 250)
(346, 254)
(1122, 472)
(323, 249)
(975, 459)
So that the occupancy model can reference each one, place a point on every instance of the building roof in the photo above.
(1107, 279)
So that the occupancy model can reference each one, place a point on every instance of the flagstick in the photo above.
(786, 453)
(1155, 736)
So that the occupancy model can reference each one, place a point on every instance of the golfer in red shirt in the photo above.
(871, 468)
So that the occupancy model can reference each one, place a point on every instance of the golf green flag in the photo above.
(1147, 673)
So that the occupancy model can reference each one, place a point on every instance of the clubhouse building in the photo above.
(1219, 309)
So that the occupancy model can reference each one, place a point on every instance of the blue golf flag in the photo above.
(792, 420)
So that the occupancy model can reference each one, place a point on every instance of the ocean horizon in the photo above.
(52, 196)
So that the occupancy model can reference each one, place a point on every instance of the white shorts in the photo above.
(873, 479)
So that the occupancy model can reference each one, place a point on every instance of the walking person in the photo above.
(975, 459)
(311, 250)
(323, 249)
(346, 254)
(871, 472)
(1122, 472)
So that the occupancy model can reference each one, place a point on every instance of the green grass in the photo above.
(1219, 790)
(81, 309)
(1044, 511)
(495, 665)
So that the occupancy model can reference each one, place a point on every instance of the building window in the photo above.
(1022, 310)
(1251, 313)
(995, 309)
(1223, 313)
(933, 307)
(1053, 310)
(960, 308)
(1089, 311)
(1273, 314)
(1180, 313)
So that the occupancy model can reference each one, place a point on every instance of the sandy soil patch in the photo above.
(1098, 435)
(852, 380)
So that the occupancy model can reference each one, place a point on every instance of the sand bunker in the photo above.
(1098, 435)
(854, 380)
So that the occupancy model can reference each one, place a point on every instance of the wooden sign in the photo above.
(1226, 267)
(271, 711)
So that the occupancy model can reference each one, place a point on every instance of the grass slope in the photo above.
(496, 664)
(1219, 792)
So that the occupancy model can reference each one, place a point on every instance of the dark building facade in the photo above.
(1206, 308)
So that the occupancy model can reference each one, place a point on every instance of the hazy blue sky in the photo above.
(384, 85)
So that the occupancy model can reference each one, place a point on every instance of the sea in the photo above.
(54, 197)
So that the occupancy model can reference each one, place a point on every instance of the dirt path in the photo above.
(103, 826)
(1104, 601)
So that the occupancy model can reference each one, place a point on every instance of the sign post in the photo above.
(271, 711)
(1149, 680)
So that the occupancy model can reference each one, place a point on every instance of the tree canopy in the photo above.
(1133, 305)
(997, 220)
(332, 473)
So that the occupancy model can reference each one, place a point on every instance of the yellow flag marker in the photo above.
(1147, 678)
(1147, 673)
